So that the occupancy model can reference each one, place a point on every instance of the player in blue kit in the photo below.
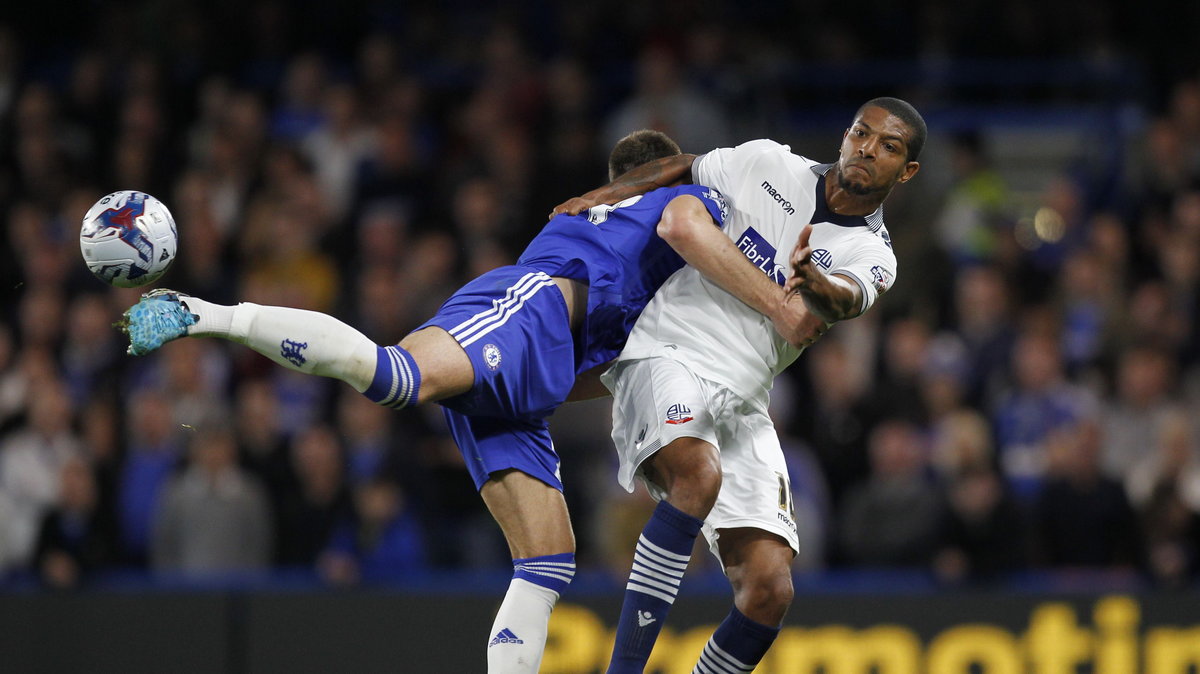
(504, 352)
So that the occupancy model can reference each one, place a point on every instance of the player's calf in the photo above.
(758, 565)
(659, 562)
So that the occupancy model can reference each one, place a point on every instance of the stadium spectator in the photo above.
(31, 462)
(959, 441)
(1136, 413)
(897, 389)
(214, 517)
(1164, 488)
(983, 532)
(262, 444)
(892, 518)
(836, 421)
(382, 540)
(91, 350)
(154, 449)
(974, 221)
(665, 101)
(337, 146)
(1082, 518)
(319, 502)
(369, 438)
(983, 320)
(1040, 402)
(76, 537)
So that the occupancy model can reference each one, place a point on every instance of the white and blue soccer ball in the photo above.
(128, 239)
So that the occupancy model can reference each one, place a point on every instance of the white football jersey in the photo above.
(772, 194)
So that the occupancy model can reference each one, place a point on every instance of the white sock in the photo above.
(298, 339)
(518, 634)
(213, 320)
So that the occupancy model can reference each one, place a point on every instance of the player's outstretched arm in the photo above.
(639, 180)
(687, 226)
(833, 298)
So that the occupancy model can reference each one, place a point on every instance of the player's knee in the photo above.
(397, 380)
(691, 473)
(765, 595)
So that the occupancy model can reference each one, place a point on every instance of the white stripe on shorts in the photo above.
(484, 322)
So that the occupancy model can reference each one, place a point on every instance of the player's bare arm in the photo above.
(831, 297)
(687, 226)
(649, 176)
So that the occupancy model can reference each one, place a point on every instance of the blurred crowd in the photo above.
(1024, 399)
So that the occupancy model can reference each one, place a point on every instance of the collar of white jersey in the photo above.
(873, 221)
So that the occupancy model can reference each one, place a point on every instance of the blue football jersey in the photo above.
(616, 250)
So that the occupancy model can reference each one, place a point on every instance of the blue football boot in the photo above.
(156, 319)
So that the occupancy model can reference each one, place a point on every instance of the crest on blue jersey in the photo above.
(719, 198)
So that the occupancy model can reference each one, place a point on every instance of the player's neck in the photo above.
(844, 202)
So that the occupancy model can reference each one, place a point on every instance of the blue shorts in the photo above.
(513, 324)
(490, 444)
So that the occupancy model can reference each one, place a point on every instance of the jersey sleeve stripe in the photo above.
(866, 297)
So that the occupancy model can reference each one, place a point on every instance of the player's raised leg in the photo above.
(427, 365)
(758, 565)
(533, 516)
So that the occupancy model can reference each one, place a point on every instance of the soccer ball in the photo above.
(128, 239)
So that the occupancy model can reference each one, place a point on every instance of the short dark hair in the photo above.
(907, 114)
(638, 148)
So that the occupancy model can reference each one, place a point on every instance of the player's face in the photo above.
(874, 154)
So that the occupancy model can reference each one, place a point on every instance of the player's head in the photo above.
(638, 148)
(881, 147)
(907, 114)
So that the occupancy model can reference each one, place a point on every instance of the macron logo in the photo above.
(505, 636)
(779, 198)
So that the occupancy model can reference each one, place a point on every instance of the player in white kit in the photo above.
(691, 386)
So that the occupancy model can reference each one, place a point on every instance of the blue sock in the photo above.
(397, 379)
(736, 647)
(659, 561)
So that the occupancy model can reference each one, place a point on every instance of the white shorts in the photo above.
(657, 400)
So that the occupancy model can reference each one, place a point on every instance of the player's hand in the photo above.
(572, 206)
(803, 268)
(795, 323)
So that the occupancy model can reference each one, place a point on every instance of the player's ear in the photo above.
(910, 170)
